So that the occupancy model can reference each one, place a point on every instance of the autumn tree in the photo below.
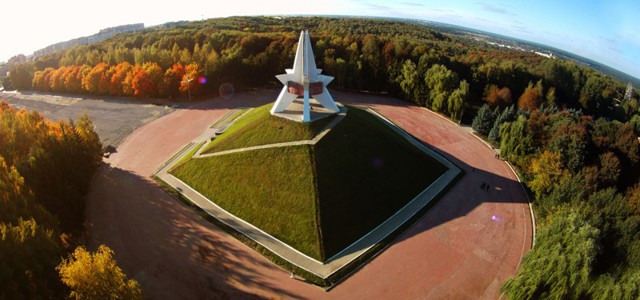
(531, 98)
(117, 79)
(95, 82)
(171, 81)
(191, 80)
(609, 169)
(497, 96)
(145, 82)
(546, 172)
(127, 83)
(72, 80)
(97, 276)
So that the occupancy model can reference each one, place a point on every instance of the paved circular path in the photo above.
(463, 248)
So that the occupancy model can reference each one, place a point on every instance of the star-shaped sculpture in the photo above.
(304, 80)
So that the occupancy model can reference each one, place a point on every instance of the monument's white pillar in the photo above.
(304, 80)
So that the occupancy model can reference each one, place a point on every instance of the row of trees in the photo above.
(45, 169)
(581, 167)
(123, 79)
(584, 175)
(371, 55)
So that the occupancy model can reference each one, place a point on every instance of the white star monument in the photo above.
(304, 80)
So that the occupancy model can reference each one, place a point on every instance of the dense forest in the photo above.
(45, 170)
(569, 130)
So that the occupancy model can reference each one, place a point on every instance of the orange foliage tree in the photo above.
(531, 98)
(498, 96)
(171, 81)
(145, 82)
(118, 77)
(191, 80)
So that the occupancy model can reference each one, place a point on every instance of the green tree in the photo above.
(507, 115)
(409, 82)
(21, 76)
(484, 120)
(592, 95)
(457, 100)
(97, 276)
(515, 141)
(560, 265)
(441, 82)
(633, 198)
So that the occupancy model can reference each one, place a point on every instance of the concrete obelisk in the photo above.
(305, 81)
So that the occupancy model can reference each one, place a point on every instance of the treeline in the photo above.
(584, 175)
(45, 171)
(124, 79)
(412, 61)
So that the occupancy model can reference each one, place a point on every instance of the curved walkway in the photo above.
(463, 248)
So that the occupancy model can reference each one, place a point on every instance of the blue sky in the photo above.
(606, 31)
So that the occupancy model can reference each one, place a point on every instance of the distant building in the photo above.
(87, 40)
(547, 55)
(628, 93)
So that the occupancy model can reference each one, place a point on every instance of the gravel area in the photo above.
(114, 119)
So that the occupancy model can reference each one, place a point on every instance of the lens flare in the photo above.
(202, 79)
(226, 90)
(377, 163)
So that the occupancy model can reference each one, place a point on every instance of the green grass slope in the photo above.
(272, 189)
(259, 127)
(318, 199)
(365, 173)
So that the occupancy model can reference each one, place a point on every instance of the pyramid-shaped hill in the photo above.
(318, 197)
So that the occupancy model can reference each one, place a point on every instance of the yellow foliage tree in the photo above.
(547, 171)
(96, 276)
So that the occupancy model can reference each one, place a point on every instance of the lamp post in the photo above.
(188, 82)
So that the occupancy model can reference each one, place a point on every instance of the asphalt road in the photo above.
(114, 119)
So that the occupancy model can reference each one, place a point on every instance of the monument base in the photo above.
(293, 112)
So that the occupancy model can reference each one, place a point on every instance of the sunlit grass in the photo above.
(259, 127)
(272, 189)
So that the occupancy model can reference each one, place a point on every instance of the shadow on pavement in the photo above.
(171, 250)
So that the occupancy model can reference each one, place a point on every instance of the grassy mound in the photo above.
(259, 127)
(318, 199)
(365, 173)
(270, 188)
